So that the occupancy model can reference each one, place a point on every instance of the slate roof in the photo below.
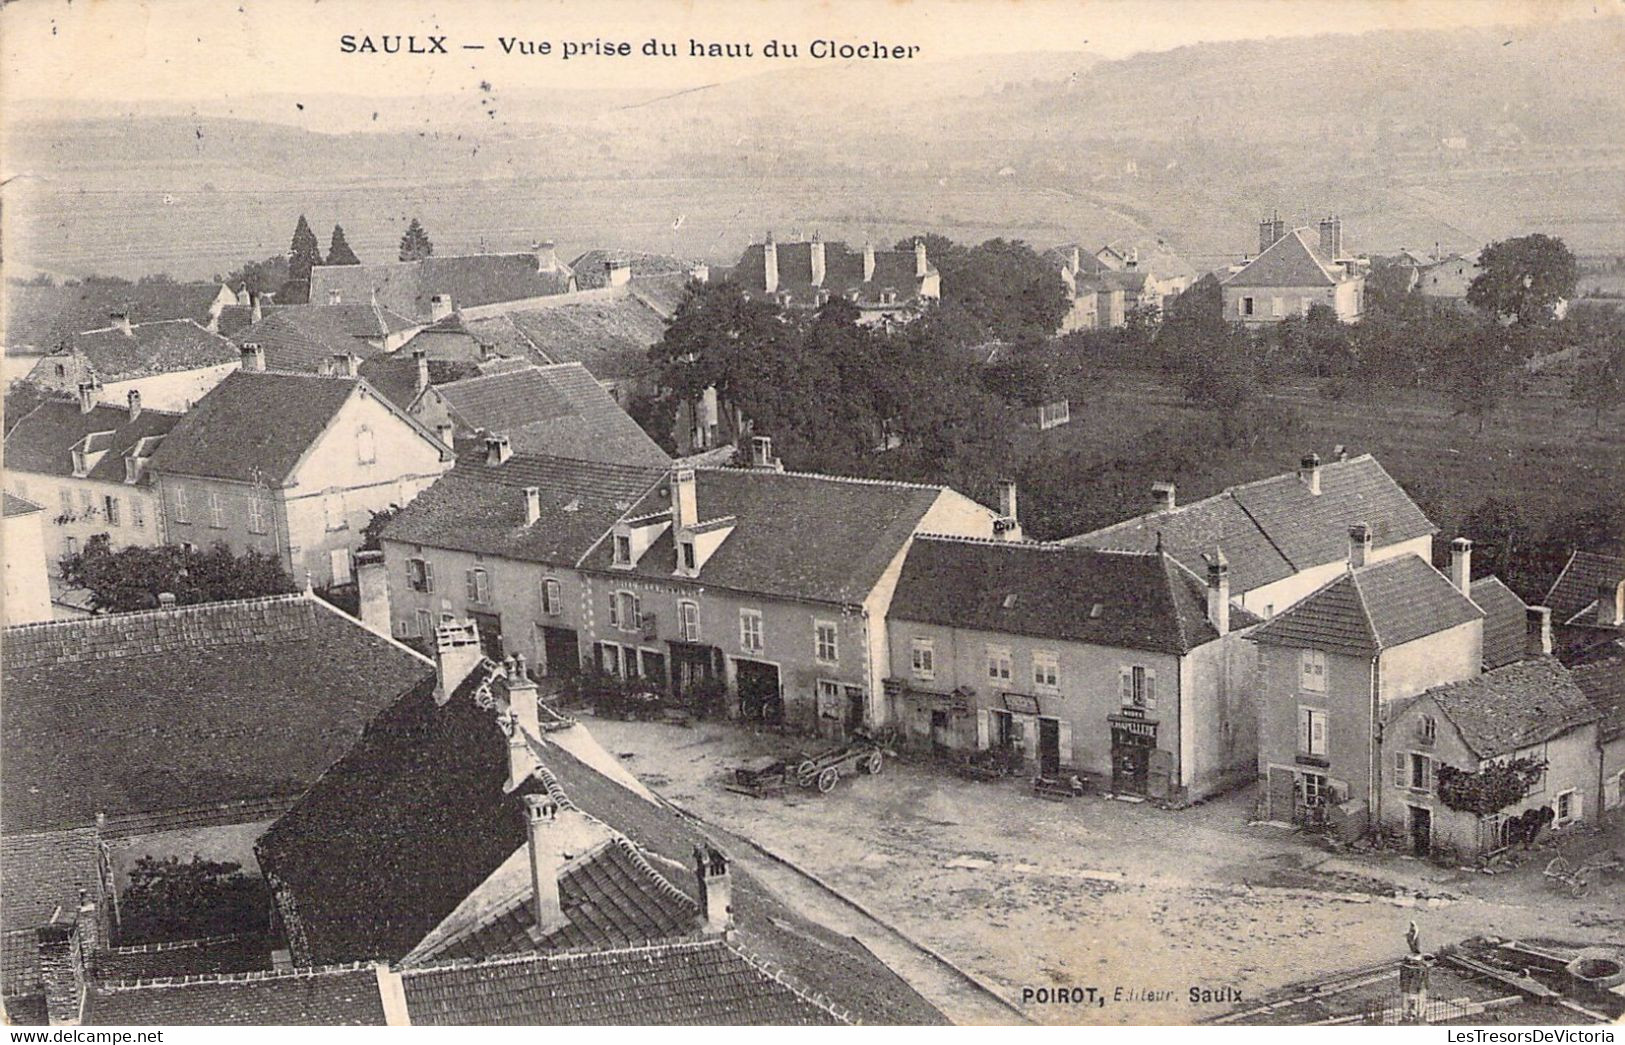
(1506, 622)
(344, 996)
(159, 347)
(42, 442)
(1575, 589)
(15, 506)
(556, 410)
(590, 272)
(1272, 528)
(1146, 601)
(796, 536)
(1603, 683)
(480, 508)
(1371, 609)
(471, 280)
(44, 872)
(307, 337)
(1294, 260)
(38, 317)
(189, 706)
(1513, 707)
(611, 337)
(700, 981)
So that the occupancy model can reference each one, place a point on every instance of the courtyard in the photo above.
(1094, 910)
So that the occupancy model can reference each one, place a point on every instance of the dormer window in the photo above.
(81, 466)
(623, 549)
(687, 551)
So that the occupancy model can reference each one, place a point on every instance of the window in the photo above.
(1314, 789)
(625, 613)
(67, 500)
(1046, 670)
(552, 597)
(688, 617)
(1312, 671)
(1246, 306)
(72, 544)
(688, 556)
(256, 514)
(425, 624)
(110, 507)
(181, 515)
(750, 630)
(191, 549)
(138, 515)
(1429, 729)
(612, 659)
(338, 565)
(333, 507)
(1421, 772)
(1139, 687)
(1277, 306)
(924, 659)
(1051, 415)
(420, 575)
(87, 501)
(1312, 732)
(998, 663)
(365, 451)
(825, 639)
(623, 549)
(1567, 807)
(478, 584)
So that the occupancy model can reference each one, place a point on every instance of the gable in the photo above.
(400, 446)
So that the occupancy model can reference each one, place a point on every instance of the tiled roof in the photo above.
(556, 410)
(611, 337)
(590, 272)
(190, 706)
(1294, 260)
(44, 872)
(395, 375)
(1603, 683)
(222, 955)
(1374, 608)
(795, 535)
(344, 996)
(471, 280)
(700, 981)
(234, 318)
(159, 347)
(39, 316)
(19, 966)
(15, 506)
(1576, 587)
(479, 508)
(663, 294)
(1509, 708)
(1506, 622)
(1123, 600)
(42, 442)
(307, 337)
(1273, 528)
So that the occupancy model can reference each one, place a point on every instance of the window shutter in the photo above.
(1303, 729)
(615, 609)
(1574, 807)
(1151, 690)
(428, 575)
(1399, 769)
(1066, 742)
(981, 729)
(1125, 679)
(470, 587)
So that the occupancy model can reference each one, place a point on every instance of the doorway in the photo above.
(490, 626)
(1049, 746)
(1421, 830)
(1004, 730)
(941, 740)
(759, 696)
(561, 652)
(855, 708)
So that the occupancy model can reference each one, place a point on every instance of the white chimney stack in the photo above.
(1309, 473)
(617, 272)
(1359, 545)
(716, 889)
(533, 505)
(868, 262)
(258, 313)
(456, 654)
(134, 399)
(1540, 631)
(121, 322)
(546, 860)
(1218, 591)
(421, 358)
(547, 258)
(816, 253)
(1008, 508)
(346, 365)
(684, 500)
(1461, 565)
(1611, 604)
(770, 264)
(1163, 497)
(498, 449)
(87, 396)
(254, 357)
(920, 265)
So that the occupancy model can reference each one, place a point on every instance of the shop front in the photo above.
(1139, 767)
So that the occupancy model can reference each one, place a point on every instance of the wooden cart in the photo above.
(760, 778)
(825, 768)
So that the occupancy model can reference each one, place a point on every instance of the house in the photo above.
(411, 288)
(291, 465)
(37, 317)
(1123, 665)
(173, 732)
(775, 584)
(170, 362)
(603, 268)
(1447, 279)
(469, 822)
(1603, 683)
(1120, 276)
(1284, 536)
(27, 590)
(1588, 602)
(87, 464)
(608, 331)
(1528, 713)
(1333, 667)
(309, 337)
(1293, 272)
(887, 286)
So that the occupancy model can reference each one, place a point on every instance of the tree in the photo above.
(1523, 279)
(1599, 385)
(133, 578)
(304, 254)
(415, 245)
(1002, 286)
(338, 249)
(372, 534)
(1481, 371)
(167, 900)
(260, 277)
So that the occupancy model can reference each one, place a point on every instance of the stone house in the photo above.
(311, 338)
(170, 363)
(1293, 271)
(1603, 683)
(1588, 602)
(429, 289)
(887, 286)
(27, 590)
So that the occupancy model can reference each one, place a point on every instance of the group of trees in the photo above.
(133, 578)
(288, 275)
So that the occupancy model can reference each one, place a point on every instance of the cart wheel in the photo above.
(1577, 888)
(874, 763)
(806, 773)
(827, 779)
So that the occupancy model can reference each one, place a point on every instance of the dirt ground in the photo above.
(1146, 906)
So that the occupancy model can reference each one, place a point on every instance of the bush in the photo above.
(167, 900)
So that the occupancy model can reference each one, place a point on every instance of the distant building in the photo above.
(1448, 278)
(171, 362)
(887, 286)
(1603, 683)
(37, 318)
(1120, 276)
(27, 591)
(410, 288)
(309, 337)
(1588, 602)
(1293, 272)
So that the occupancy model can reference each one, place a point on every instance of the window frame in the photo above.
(751, 633)
(1000, 664)
(688, 620)
(923, 668)
(366, 446)
(621, 545)
(1046, 659)
(1308, 718)
(477, 585)
(834, 644)
(626, 610)
(110, 510)
(552, 597)
(1137, 686)
(1311, 671)
(182, 510)
(256, 513)
(217, 511)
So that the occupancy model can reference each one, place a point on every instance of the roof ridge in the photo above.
(358, 622)
(1365, 608)
(765, 968)
(676, 943)
(34, 627)
(177, 945)
(252, 976)
(896, 483)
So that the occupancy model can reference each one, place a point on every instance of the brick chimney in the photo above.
(62, 971)
(1163, 497)
(533, 505)
(547, 859)
(1218, 591)
(617, 272)
(1461, 565)
(1611, 604)
(716, 889)
(498, 449)
(1309, 473)
(770, 264)
(120, 319)
(920, 264)
(421, 382)
(685, 510)
(457, 654)
(372, 590)
(1008, 519)
(439, 307)
(1269, 231)
(253, 357)
(523, 695)
(816, 251)
(868, 261)
(1539, 631)
(1331, 237)
(1359, 545)
(87, 396)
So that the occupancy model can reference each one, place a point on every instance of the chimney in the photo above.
(618, 273)
(120, 319)
(1331, 237)
(761, 452)
(243, 296)
(1007, 511)
(868, 262)
(61, 972)
(421, 358)
(1074, 263)
(1359, 545)
(87, 396)
(444, 431)
(546, 860)
(816, 250)
(166, 600)
(372, 590)
(920, 266)
(716, 889)
(134, 401)
(1266, 234)
(258, 313)
(457, 654)
(1309, 473)
(770, 264)
(1611, 604)
(439, 307)
(684, 507)
(346, 364)
(522, 697)
(547, 257)
(334, 297)
(253, 357)
(1218, 591)
(1539, 631)
(533, 505)
(497, 450)
(1461, 565)
(1162, 497)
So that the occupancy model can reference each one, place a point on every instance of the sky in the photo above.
(183, 50)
